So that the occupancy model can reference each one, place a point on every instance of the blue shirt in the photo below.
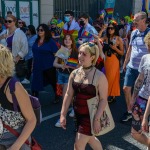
(89, 29)
(31, 40)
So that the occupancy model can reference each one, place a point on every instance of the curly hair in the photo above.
(6, 62)
(147, 39)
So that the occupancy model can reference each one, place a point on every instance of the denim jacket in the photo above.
(31, 40)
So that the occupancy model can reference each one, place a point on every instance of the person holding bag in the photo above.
(23, 122)
(82, 85)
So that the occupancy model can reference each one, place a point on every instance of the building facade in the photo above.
(41, 11)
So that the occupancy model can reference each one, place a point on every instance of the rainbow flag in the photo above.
(72, 62)
(102, 13)
(110, 12)
(86, 34)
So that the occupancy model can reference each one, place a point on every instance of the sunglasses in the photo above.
(91, 44)
(8, 21)
(20, 22)
(110, 28)
(40, 30)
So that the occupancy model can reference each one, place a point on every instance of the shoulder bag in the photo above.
(106, 120)
(33, 145)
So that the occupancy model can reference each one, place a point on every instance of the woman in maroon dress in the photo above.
(82, 85)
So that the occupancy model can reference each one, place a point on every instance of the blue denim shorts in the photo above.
(62, 78)
(130, 77)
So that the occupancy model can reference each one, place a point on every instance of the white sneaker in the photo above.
(25, 81)
(72, 113)
(58, 124)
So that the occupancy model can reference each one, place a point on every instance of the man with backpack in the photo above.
(136, 50)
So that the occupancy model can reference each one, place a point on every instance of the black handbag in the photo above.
(21, 68)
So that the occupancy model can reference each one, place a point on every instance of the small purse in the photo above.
(106, 120)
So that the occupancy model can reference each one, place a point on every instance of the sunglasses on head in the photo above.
(40, 30)
(8, 21)
(110, 28)
(91, 44)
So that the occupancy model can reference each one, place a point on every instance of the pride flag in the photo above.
(72, 62)
(147, 3)
(110, 12)
(102, 13)
(86, 34)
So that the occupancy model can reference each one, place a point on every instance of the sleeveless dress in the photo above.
(83, 92)
(112, 74)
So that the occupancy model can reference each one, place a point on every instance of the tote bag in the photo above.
(106, 120)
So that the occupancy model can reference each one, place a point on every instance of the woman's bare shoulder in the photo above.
(100, 75)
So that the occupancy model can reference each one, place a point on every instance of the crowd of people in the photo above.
(77, 58)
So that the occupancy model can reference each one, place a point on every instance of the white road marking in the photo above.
(52, 116)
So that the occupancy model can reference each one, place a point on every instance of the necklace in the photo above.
(83, 75)
(86, 68)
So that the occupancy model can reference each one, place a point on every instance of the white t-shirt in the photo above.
(144, 68)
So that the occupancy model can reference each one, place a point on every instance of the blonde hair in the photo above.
(93, 50)
(142, 14)
(147, 39)
(6, 62)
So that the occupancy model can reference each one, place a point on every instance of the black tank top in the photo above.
(3, 99)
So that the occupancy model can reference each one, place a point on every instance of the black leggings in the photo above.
(49, 77)
(29, 67)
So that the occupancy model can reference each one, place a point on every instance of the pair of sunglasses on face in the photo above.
(8, 21)
(110, 28)
(40, 30)
(20, 22)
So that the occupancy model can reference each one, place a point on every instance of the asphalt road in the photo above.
(52, 138)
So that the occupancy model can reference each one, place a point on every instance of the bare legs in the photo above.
(140, 137)
(127, 93)
(81, 141)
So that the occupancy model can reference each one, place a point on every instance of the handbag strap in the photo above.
(14, 132)
(95, 82)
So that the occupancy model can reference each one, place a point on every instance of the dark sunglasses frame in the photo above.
(111, 28)
(41, 30)
(20, 22)
(8, 21)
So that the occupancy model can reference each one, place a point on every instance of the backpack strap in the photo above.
(11, 84)
(14, 132)
(146, 31)
(134, 36)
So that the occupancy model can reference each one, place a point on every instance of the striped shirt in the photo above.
(138, 49)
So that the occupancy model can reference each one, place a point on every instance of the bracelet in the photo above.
(97, 119)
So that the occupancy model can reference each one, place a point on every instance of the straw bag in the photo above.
(106, 120)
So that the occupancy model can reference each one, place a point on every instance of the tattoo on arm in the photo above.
(137, 86)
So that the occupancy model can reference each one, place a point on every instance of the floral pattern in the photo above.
(11, 118)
